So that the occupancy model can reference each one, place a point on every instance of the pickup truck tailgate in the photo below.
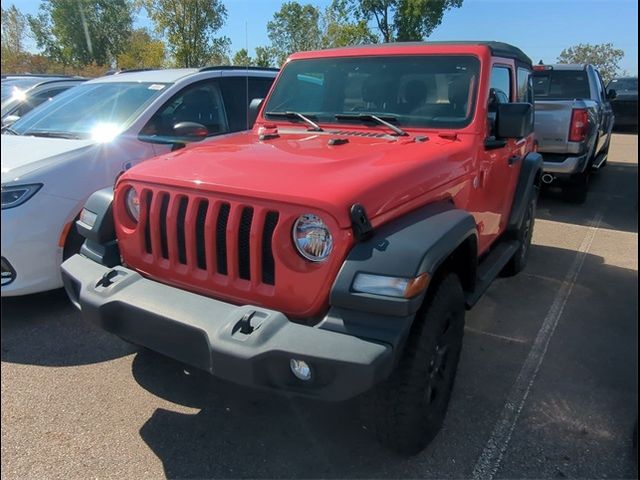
(552, 122)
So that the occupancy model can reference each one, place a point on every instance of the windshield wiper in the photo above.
(9, 130)
(50, 134)
(368, 117)
(314, 126)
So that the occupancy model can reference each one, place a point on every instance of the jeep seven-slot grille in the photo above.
(225, 238)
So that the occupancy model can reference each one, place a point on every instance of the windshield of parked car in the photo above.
(89, 110)
(425, 91)
(13, 86)
(559, 84)
(623, 84)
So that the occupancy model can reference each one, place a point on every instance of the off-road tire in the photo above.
(575, 190)
(407, 410)
(519, 260)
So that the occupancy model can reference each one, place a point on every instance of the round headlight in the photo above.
(132, 201)
(312, 238)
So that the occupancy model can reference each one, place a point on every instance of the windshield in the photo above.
(623, 84)
(558, 84)
(89, 110)
(12, 85)
(419, 91)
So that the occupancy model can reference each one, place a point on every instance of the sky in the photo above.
(541, 28)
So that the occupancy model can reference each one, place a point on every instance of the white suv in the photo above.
(55, 156)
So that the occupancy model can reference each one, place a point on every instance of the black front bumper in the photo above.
(208, 334)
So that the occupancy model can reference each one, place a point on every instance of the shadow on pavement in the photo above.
(46, 329)
(616, 186)
(241, 433)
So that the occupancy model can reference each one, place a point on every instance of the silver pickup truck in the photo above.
(573, 122)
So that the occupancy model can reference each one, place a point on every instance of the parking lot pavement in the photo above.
(546, 386)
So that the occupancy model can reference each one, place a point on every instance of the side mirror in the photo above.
(254, 108)
(186, 132)
(514, 120)
(611, 94)
(10, 120)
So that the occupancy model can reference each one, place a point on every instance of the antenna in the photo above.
(246, 46)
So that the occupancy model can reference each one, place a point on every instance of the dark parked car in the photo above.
(24, 97)
(624, 101)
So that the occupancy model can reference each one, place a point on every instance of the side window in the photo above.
(199, 103)
(501, 80)
(499, 92)
(237, 93)
(524, 92)
(601, 90)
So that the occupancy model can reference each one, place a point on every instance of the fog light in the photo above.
(8, 273)
(300, 369)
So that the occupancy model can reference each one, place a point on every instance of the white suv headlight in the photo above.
(15, 195)
(312, 238)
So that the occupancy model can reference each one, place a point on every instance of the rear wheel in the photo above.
(407, 410)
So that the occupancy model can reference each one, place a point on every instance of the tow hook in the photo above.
(107, 278)
(244, 325)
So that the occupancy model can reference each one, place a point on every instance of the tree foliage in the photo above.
(342, 27)
(142, 51)
(405, 20)
(14, 31)
(242, 58)
(82, 32)
(294, 28)
(603, 56)
(297, 27)
(190, 27)
(265, 57)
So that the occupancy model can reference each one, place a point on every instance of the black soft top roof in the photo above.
(499, 49)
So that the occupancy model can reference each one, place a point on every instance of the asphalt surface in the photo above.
(546, 388)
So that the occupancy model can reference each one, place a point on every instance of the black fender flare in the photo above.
(414, 244)
(527, 183)
(100, 242)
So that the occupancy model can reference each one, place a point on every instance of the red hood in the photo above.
(303, 169)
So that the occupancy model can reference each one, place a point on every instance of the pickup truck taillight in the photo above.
(579, 125)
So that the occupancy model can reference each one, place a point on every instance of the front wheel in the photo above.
(524, 235)
(407, 410)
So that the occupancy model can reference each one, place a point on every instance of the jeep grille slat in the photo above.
(224, 241)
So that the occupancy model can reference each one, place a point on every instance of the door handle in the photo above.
(514, 159)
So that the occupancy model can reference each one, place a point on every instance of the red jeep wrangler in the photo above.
(332, 250)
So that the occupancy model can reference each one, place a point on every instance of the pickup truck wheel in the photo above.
(576, 189)
(524, 235)
(407, 410)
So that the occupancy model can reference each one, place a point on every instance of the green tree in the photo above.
(265, 57)
(294, 28)
(142, 51)
(342, 28)
(190, 27)
(405, 20)
(603, 56)
(82, 32)
(242, 58)
(14, 31)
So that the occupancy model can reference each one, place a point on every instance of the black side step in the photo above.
(490, 267)
(599, 161)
